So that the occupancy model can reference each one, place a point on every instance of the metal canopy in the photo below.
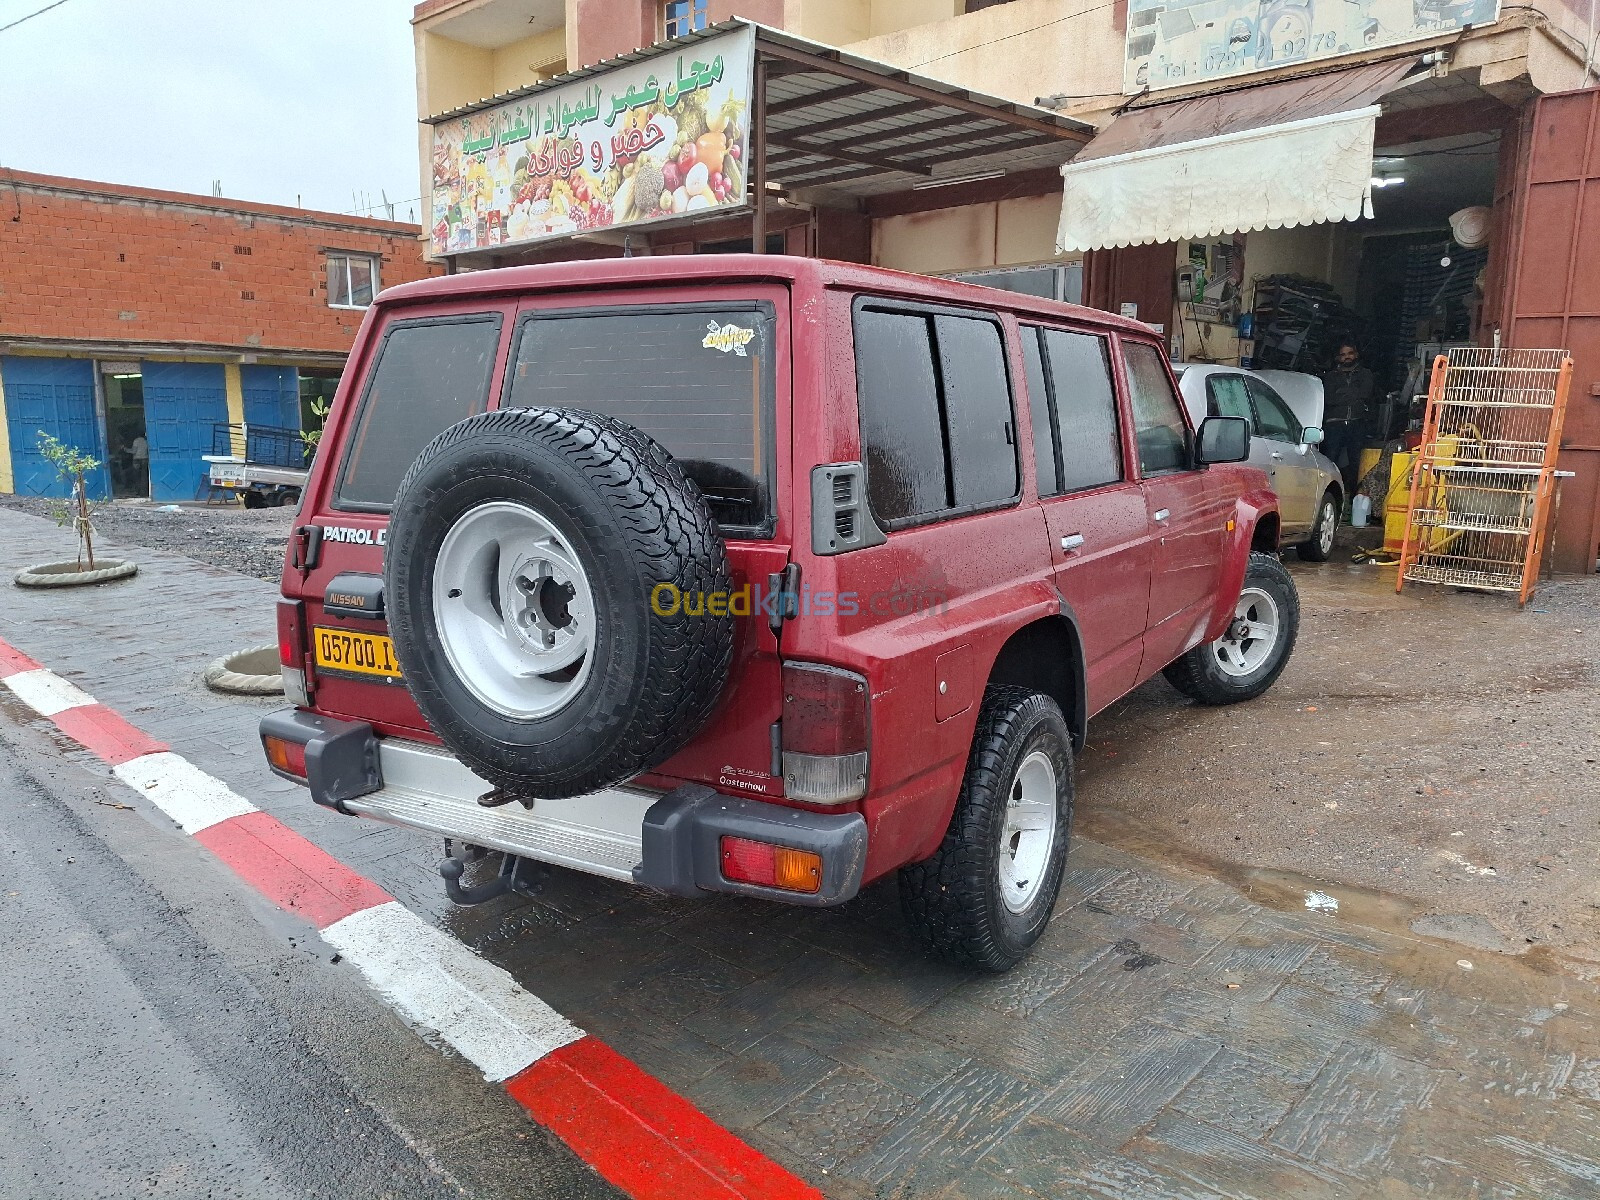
(858, 128)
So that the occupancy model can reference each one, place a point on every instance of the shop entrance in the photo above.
(127, 445)
(1401, 287)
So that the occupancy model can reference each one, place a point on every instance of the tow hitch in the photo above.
(523, 876)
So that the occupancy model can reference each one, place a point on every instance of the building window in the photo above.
(352, 280)
(685, 16)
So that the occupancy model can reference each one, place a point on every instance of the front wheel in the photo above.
(1319, 545)
(986, 895)
(1252, 652)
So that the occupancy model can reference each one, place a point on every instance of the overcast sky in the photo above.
(278, 99)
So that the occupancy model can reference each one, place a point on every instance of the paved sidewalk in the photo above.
(1170, 1038)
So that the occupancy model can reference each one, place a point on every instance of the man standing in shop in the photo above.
(140, 452)
(1347, 409)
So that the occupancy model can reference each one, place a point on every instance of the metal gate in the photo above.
(1553, 297)
(183, 403)
(54, 396)
(271, 396)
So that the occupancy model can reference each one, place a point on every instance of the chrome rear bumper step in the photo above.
(425, 788)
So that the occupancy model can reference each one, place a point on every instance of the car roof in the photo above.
(678, 269)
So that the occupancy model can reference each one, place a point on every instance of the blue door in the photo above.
(183, 404)
(54, 396)
(272, 414)
(271, 396)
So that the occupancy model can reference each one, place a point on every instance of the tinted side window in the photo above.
(901, 433)
(1226, 397)
(1086, 409)
(1158, 426)
(1273, 418)
(429, 375)
(1044, 431)
(935, 403)
(697, 380)
(977, 401)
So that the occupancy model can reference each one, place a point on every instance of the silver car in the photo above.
(1284, 409)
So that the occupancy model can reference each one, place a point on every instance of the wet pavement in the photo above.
(166, 1035)
(1189, 1026)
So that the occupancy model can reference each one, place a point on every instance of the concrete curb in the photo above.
(637, 1133)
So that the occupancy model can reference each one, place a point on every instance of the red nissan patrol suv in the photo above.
(758, 574)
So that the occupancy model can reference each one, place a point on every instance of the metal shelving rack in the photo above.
(1486, 469)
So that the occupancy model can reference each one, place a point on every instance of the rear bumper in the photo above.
(667, 841)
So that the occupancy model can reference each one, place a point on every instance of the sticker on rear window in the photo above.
(728, 338)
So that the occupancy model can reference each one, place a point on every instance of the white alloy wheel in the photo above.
(1028, 832)
(1251, 635)
(514, 610)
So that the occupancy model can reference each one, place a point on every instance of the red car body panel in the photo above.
(937, 603)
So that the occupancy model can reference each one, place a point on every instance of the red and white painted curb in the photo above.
(635, 1131)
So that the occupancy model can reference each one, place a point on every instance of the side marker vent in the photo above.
(840, 518)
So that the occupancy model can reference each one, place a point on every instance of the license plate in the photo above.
(345, 652)
(227, 476)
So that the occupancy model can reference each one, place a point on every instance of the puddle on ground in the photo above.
(1290, 891)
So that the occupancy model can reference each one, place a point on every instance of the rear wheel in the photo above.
(1252, 652)
(987, 894)
(1319, 545)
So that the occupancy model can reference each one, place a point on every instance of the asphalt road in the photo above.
(163, 1034)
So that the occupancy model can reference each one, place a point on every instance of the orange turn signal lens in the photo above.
(286, 756)
(766, 865)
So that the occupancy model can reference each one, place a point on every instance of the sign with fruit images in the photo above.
(651, 141)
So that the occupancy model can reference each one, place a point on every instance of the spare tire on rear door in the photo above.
(524, 552)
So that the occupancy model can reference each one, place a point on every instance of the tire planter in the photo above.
(68, 574)
(247, 673)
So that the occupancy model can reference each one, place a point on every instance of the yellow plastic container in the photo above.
(1369, 459)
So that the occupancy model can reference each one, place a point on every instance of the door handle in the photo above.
(1071, 542)
(1277, 456)
(1162, 514)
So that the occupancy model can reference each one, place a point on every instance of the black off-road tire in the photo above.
(952, 901)
(634, 521)
(1311, 550)
(1199, 675)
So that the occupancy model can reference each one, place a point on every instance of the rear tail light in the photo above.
(827, 734)
(766, 865)
(292, 649)
(285, 756)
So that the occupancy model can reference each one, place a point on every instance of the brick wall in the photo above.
(91, 262)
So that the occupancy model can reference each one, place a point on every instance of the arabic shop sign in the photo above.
(1175, 42)
(654, 140)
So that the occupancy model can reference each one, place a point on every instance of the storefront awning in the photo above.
(766, 112)
(1296, 152)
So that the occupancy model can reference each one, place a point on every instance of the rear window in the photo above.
(429, 375)
(699, 380)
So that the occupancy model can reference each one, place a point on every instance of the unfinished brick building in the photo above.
(129, 314)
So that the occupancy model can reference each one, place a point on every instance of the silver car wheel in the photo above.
(1028, 833)
(1251, 636)
(514, 610)
(1327, 523)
